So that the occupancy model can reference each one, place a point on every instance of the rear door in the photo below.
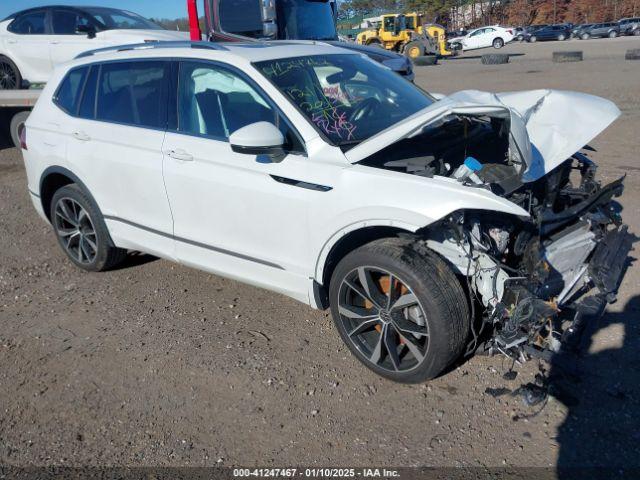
(28, 44)
(115, 138)
(67, 43)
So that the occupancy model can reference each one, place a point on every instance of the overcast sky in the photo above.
(147, 8)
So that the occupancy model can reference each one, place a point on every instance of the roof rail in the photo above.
(152, 46)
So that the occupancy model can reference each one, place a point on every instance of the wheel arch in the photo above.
(53, 179)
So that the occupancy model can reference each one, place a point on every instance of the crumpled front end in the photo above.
(540, 282)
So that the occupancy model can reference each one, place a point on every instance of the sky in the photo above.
(146, 8)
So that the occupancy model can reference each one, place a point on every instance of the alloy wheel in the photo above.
(8, 77)
(383, 319)
(75, 229)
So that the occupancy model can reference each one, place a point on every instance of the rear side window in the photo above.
(133, 93)
(67, 96)
(32, 23)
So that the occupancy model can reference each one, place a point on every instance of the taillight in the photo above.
(22, 135)
(510, 32)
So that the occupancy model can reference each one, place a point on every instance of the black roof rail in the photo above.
(152, 46)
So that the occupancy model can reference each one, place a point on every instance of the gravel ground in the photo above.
(156, 364)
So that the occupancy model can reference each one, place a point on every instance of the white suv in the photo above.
(430, 227)
(34, 41)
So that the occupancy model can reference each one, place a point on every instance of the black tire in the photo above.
(438, 293)
(520, 38)
(10, 77)
(565, 57)
(414, 49)
(17, 121)
(497, 43)
(426, 60)
(374, 43)
(107, 255)
(633, 54)
(495, 59)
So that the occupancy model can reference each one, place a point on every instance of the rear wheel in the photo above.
(403, 314)
(498, 43)
(374, 42)
(81, 230)
(10, 78)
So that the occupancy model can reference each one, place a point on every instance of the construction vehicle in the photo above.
(408, 34)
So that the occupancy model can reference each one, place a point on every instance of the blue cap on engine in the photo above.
(473, 164)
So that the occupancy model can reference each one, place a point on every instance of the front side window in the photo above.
(349, 98)
(33, 23)
(241, 17)
(215, 102)
(66, 22)
(68, 95)
(133, 93)
(305, 20)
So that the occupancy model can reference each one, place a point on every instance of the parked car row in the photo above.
(560, 32)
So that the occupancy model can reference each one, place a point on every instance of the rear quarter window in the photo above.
(67, 97)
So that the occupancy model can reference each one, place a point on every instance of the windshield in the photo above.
(305, 20)
(112, 19)
(349, 98)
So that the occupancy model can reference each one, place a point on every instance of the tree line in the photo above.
(471, 13)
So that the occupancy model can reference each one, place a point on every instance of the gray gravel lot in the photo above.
(158, 364)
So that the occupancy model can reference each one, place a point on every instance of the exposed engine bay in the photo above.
(538, 281)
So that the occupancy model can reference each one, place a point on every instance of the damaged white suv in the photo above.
(430, 227)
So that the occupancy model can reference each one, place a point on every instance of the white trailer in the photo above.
(16, 105)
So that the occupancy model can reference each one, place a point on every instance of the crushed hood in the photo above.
(547, 126)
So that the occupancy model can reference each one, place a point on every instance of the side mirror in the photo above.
(89, 30)
(260, 138)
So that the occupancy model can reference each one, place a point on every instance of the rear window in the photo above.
(67, 96)
(133, 93)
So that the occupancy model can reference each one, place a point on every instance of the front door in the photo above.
(67, 43)
(235, 214)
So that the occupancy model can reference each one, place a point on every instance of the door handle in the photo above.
(12, 41)
(55, 42)
(180, 154)
(83, 137)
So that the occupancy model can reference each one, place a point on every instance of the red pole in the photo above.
(194, 22)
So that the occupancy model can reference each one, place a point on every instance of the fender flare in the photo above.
(67, 173)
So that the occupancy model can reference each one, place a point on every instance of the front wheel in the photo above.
(613, 34)
(498, 43)
(585, 36)
(81, 230)
(401, 312)
(10, 78)
(533, 39)
(561, 37)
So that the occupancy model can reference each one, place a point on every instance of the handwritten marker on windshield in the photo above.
(468, 171)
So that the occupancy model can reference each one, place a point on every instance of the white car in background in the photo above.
(483, 37)
(34, 41)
